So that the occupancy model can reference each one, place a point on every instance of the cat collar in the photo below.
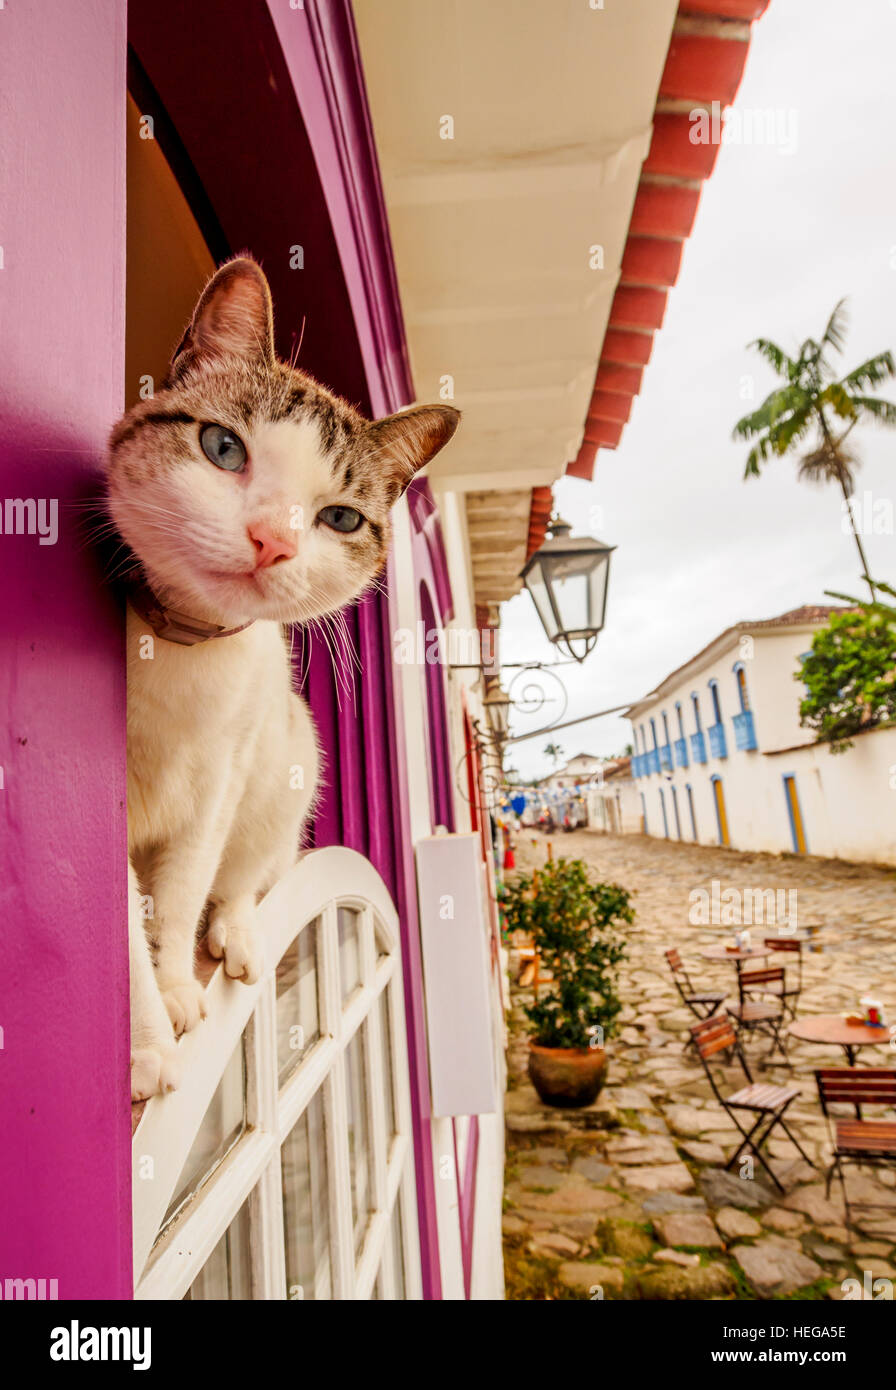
(173, 625)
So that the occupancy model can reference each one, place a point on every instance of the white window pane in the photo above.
(349, 965)
(385, 1008)
(571, 597)
(396, 1237)
(306, 1223)
(226, 1273)
(222, 1124)
(358, 1134)
(298, 1015)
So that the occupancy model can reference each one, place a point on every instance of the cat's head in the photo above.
(244, 488)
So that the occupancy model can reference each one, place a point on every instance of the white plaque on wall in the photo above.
(456, 973)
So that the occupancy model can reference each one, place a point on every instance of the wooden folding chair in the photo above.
(763, 1015)
(766, 1102)
(857, 1140)
(791, 988)
(702, 1004)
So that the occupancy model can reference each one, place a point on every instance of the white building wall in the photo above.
(774, 694)
(487, 1251)
(623, 794)
(847, 802)
(848, 799)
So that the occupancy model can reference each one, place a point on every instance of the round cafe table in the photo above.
(834, 1029)
(742, 953)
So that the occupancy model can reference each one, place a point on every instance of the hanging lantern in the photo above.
(497, 707)
(567, 578)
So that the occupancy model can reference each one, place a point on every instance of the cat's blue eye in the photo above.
(340, 518)
(223, 447)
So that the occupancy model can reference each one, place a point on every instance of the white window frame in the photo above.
(164, 1268)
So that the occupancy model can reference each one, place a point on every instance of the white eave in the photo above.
(493, 230)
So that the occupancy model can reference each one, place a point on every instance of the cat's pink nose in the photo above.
(269, 547)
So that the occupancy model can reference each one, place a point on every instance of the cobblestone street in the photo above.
(629, 1198)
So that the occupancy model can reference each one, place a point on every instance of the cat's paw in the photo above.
(154, 1070)
(238, 948)
(185, 1004)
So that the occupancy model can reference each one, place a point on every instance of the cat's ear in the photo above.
(234, 316)
(402, 444)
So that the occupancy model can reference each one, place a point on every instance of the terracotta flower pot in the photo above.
(567, 1076)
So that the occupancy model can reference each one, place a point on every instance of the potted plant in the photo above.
(574, 925)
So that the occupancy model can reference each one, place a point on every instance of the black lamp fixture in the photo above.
(567, 578)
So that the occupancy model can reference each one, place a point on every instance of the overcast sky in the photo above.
(779, 238)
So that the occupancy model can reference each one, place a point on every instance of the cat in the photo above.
(251, 497)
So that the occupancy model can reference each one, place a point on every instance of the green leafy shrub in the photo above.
(850, 675)
(574, 924)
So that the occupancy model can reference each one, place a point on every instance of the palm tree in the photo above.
(814, 400)
(554, 751)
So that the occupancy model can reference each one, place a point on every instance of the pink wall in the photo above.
(64, 1112)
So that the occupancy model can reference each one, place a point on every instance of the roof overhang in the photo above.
(538, 200)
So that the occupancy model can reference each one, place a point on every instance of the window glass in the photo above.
(358, 1134)
(226, 1273)
(385, 1010)
(349, 960)
(298, 1014)
(396, 1237)
(306, 1219)
(222, 1125)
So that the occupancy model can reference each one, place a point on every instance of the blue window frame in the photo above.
(744, 731)
(795, 814)
(666, 749)
(675, 813)
(801, 658)
(665, 817)
(716, 704)
(718, 796)
(690, 791)
(718, 747)
(744, 728)
(743, 695)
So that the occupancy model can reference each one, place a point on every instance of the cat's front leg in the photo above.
(262, 845)
(233, 937)
(182, 876)
(154, 1063)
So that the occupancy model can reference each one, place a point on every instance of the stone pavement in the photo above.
(628, 1198)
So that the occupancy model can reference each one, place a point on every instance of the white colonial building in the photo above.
(614, 804)
(721, 758)
(580, 771)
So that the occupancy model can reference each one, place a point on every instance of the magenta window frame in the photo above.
(63, 804)
(65, 1168)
